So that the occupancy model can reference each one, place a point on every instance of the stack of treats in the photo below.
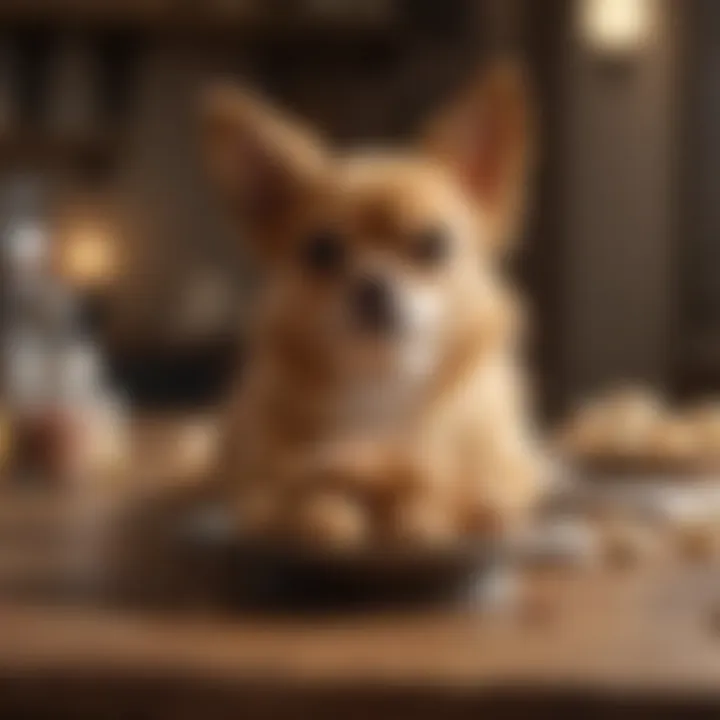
(635, 430)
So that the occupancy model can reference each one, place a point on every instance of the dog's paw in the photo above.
(365, 468)
(329, 520)
(421, 521)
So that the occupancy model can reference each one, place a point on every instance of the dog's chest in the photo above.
(387, 397)
(376, 405)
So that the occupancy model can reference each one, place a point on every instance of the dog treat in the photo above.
(673, 439)
(706, 423)
(632, 418)
(619, 425)
(635, 431)
(627, 544)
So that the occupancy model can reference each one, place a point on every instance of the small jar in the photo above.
(96, 419)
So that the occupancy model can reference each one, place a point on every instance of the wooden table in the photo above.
(641, 640)
(619, 642)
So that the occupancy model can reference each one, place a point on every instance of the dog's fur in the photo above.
(432, 410)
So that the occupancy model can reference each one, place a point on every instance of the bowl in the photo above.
(282, 575)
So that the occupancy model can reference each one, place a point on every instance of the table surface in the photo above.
(630, 639)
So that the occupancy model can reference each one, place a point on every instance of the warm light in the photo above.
(89, 257)
(616, 26)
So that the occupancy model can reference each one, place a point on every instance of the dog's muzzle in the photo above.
(374, 306)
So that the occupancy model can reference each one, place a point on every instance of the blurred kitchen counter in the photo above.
(642, 643)
(623, 641)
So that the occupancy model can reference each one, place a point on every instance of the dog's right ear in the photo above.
(261, 163)
(486, 139)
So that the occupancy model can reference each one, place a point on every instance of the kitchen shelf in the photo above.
(41, 148)
(265, 18)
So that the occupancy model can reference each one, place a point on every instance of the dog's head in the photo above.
(377, 254)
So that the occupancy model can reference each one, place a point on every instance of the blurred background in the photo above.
(99, 168)
(124, 292)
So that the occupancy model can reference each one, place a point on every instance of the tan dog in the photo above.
(383, 397)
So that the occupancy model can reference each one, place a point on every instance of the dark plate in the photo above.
(283, 575)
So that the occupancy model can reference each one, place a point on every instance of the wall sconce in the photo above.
(89, 257)
(616, 29)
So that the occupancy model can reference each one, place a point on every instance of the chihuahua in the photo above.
(383, 396)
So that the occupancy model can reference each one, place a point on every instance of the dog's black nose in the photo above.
(373, 304)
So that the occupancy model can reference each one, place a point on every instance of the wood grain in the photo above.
(640, 641)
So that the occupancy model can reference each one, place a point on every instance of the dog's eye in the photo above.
(430, 247)
(324, 252)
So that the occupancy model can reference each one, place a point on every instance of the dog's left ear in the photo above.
(485, 138)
